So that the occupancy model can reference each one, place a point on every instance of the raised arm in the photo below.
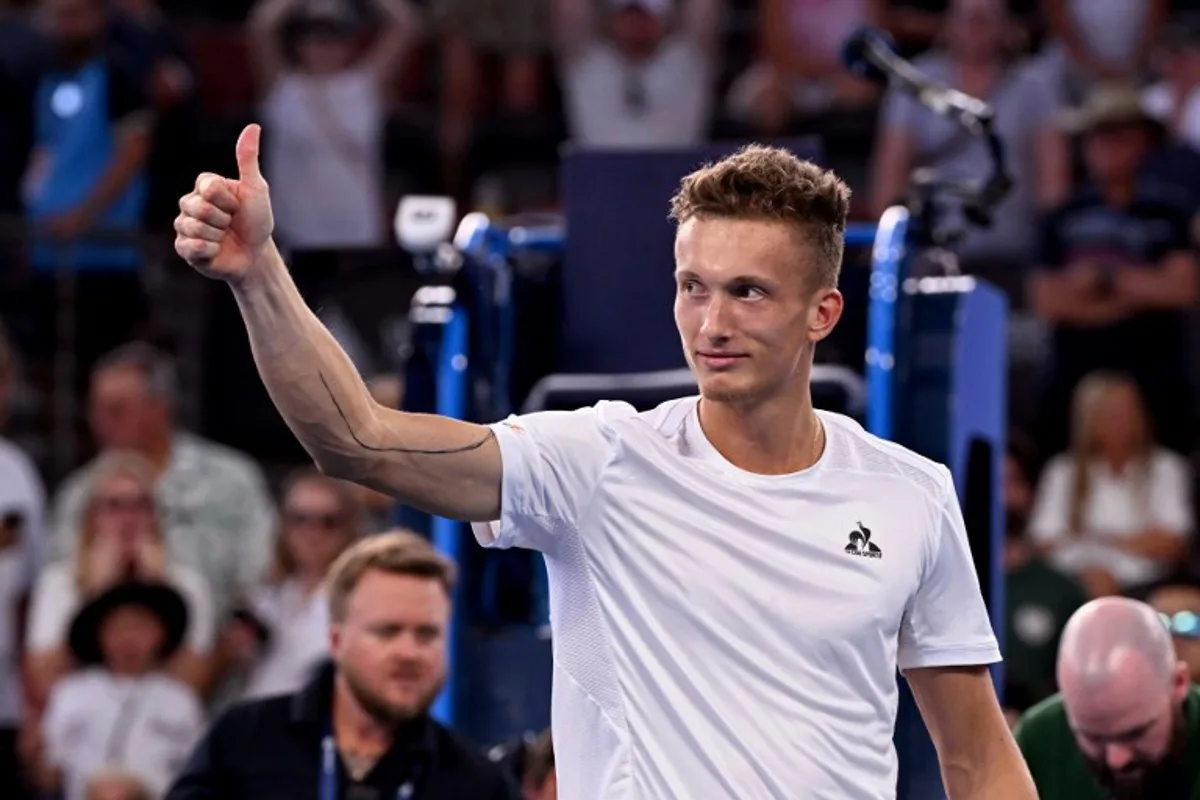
(439, 465)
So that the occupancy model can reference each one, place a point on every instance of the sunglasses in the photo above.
(1185, 624)
(139, 502)
(327, 521)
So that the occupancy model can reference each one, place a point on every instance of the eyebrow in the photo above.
(736, 280)
(1131, 732)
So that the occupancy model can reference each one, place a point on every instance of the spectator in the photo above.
(283, 632)
(1117, 275)
(1174, 101)
(977, 60)
(1177, 598)
(800, 71)
(1039, 598)
(217, 514)
(638, 73)
(540, 780)
(1101, 42)
(362, 722)
(515, 34)
(169, 79)
(1127, 722)
(324, 110)
(22, 513)
(1116, 511)
(119, 537)
(121, 727)
(93, 134)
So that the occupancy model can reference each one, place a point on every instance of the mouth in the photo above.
(719, 361)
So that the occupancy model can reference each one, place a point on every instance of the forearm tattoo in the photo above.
(490, 434)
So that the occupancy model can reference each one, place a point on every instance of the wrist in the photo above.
(261, 275)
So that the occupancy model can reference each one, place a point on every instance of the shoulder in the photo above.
(75, 484)
(856, 450)
(220, 459)
(250, 720)
(461, 757)
(57, 580)
(1059, 468)
(174, 691)
(1043, 721)
(89, 682)
(18, 468)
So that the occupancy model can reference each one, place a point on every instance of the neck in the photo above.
(775, 438)
(1119, 192)
(352, 725)
(158, 450)
(309, 581)
(976, 75)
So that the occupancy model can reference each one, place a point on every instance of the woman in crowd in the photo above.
(119, 539)
(977, 57)
(1115, 511)
(283, 629)
(324, 112)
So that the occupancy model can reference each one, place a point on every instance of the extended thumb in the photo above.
(247, 152)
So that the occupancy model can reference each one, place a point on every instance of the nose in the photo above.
(1118, 757)
(716, 320)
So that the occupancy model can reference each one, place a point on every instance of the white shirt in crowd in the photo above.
(324, 159)
(1159, 102)
(720, 634)
(96, 722)
(56, 600)
(1117, 506)
(299, 626)
(21, 492)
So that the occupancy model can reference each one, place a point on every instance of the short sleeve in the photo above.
(1171, 494)
(202, 623)
(51, 607)
(551, 463)
(55, 722)
(899, 111)
(1049, 520)
(946, 623)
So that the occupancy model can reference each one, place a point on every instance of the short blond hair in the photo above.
(399, 552)
(769, 183)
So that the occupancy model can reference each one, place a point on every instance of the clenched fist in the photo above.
(224, 225)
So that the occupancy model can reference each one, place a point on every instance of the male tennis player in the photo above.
(715, 636)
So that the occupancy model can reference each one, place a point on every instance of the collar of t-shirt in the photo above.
(698, 446)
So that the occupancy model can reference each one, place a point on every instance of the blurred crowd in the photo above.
(111, 107)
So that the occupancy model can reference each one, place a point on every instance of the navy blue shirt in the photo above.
(1154, 225)
(270, 749)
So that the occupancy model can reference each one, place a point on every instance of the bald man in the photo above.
(1126, 723)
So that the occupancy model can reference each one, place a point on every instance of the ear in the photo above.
(824, 312)
(1181, 681)
(335, 639)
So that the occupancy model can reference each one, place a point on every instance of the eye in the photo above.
(689, 286)
(748, 292)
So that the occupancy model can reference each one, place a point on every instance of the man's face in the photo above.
(637, 31)
(129, 639)
(122, 411)
(391, 645)
(1114, 152)
(746, 311)
(1127, 730)
(74, 23)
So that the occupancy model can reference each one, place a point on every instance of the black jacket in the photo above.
(271, 750)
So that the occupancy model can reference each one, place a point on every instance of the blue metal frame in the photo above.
(447, 533)
(889, 259)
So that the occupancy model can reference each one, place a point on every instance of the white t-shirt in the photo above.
(145, 726)
(675, 86)
(720, 634)
(21, 492)
(1117, 506)
(299, 627)
(56, 601)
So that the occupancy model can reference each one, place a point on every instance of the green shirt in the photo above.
(1040, 600)
(1059, 768)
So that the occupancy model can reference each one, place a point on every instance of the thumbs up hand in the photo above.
(224, 225)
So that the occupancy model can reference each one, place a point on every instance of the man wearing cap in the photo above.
(1117, 274)
(118, 728)
(1126, 725)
